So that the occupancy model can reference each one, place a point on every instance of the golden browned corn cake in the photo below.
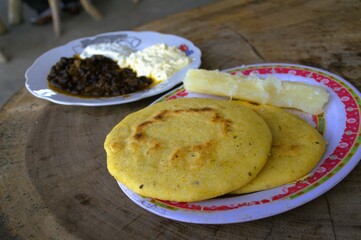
(188, 149)
(296, 149)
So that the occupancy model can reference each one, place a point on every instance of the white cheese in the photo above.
(115, 51)
(158, 61)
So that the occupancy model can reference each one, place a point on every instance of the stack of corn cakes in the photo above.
(193, 149)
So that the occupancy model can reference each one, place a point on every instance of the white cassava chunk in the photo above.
(273, 91)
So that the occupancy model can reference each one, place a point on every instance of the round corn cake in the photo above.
(188, 149)
(296, 149)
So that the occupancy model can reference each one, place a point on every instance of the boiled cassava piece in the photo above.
(271, 90)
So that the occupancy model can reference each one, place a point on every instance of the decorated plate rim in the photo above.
(336, 164)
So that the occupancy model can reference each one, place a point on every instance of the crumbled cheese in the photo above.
(159, 61)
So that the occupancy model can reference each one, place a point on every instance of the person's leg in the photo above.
(44, 12)
(39, 6)
(70, 1)
(71, 6)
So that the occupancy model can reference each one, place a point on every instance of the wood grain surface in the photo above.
(54, 182)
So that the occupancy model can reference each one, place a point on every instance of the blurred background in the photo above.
(23, 43)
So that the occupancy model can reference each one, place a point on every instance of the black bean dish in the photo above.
(97, 76)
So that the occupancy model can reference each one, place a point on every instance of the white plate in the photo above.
(340, 125)
(36, 75)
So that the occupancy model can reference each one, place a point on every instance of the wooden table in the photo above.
(54, 183)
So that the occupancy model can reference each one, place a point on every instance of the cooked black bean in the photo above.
(97, 76)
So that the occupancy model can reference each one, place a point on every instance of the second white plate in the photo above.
(36, 75)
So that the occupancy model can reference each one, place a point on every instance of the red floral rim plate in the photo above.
(340, 125)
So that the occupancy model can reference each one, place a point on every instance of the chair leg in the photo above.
(15, 12)
(91, 10)
(56, 16)
(3, 28)
(3, 58)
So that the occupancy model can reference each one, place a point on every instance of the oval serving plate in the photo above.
(340, 125)
(36, 75)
